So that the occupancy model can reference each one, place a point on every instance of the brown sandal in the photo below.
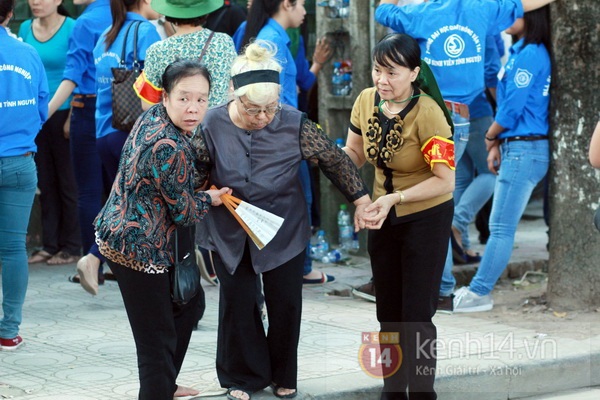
(62, 258)
(39, 256)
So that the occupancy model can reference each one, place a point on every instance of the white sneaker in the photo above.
(465, 301)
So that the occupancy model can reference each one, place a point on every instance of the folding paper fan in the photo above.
(259, 224)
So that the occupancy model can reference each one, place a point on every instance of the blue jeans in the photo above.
(461, 136)
(461, 139)
(306, 182)
(523, 164)
(18, 181)
(474, 181)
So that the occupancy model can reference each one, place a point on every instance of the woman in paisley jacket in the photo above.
(157, 188)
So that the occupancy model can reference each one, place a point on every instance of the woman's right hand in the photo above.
(378, 211)
(322, 52)
(215, 195)
(493, 159)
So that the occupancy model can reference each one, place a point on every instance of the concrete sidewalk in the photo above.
(80, 347)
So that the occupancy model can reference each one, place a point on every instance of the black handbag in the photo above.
(126, 105)
(185, 274)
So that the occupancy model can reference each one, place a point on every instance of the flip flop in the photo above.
(62, 258)
(233, 389)
(283, 396)
(39, 256)
(319, 281)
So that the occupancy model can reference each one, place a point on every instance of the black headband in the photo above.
(255, 76)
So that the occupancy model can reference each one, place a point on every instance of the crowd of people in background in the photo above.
(220, 91)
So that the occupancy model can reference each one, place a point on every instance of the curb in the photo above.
(498, 381)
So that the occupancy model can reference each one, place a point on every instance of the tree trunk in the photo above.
(574, 266)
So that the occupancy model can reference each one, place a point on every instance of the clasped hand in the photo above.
(374, 214)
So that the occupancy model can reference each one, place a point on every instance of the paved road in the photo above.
(80, 347)
(584, 394)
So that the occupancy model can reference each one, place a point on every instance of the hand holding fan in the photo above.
(259, 224)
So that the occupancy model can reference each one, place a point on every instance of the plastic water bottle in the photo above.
(337, 79)
(334, 8)
(321, 246)
(344, 9)
(355, 243)
(339, 142)
(335, 255)
(313, 246)
(346, 85)
(345, 228)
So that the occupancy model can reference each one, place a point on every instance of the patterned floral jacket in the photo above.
(157, 187)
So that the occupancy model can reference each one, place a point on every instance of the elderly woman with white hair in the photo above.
(256, 146)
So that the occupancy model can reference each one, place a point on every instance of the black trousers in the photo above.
(58, 198)
(248, 358)
(161, 329)
(408, 261)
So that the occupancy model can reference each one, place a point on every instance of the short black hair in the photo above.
(6, 6)
(197, 21)
(182, 68)
(397, 48)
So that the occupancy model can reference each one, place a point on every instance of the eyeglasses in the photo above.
(269, 110)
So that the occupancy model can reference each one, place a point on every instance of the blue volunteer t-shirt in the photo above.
(273, 32)
(23, 96)
(80, 68)
(524, 91)
(105, 59)
(451, 34)
(481, 107)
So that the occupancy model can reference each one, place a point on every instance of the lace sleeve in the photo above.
(333, 161)
(202, 160)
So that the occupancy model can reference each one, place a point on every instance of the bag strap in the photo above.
(184, 241)
(176, 245)
(206, 45)
(136, 63)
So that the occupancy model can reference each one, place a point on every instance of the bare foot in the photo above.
(314, 274)
(284, 391)
(458, 237)
(183, 391)
(238, 394)
(471, 253)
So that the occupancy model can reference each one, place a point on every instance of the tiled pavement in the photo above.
(80, 347)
